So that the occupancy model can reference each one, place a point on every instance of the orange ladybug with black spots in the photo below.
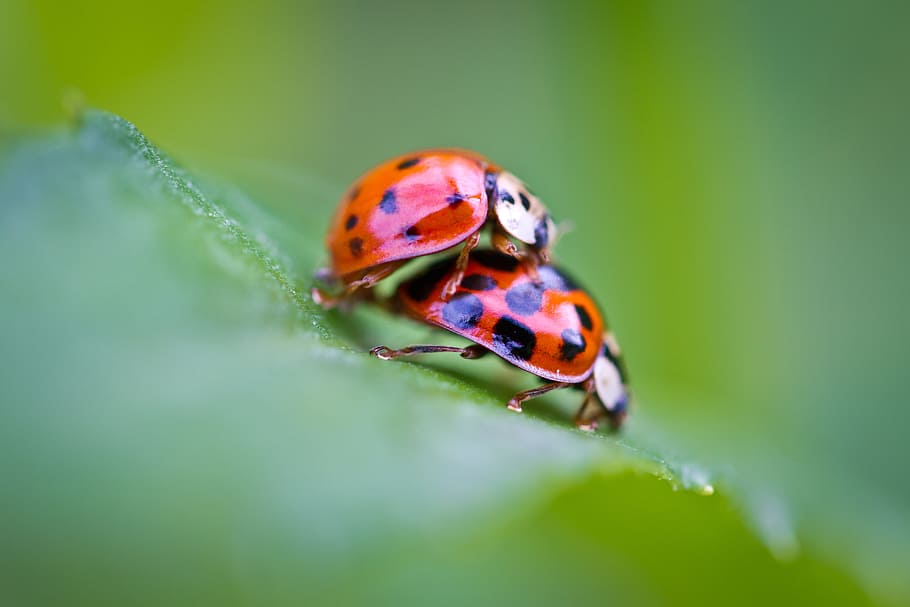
(547, 326)
(423, 203)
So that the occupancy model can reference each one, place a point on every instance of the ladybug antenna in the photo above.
(566, 226)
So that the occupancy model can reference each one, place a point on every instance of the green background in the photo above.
(179, 424)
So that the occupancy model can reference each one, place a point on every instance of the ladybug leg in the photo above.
(328, 278)
(544, 255)
(583, 421)
(343, 301)
(504, 244)
(386, 353)
(351, 289)
(588, 422)
(515, 403)
(372, 277)
(460, 264)
(324, 299)
(530, 262)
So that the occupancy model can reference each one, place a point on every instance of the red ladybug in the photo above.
(423, 203)
(548, 327)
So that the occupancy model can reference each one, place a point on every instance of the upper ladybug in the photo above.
(426, 202)
(549, 327)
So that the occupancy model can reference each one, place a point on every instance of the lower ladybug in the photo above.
(423, 203)
(548, 326)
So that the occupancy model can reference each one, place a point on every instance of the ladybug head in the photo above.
(610, 381)
(520, 213)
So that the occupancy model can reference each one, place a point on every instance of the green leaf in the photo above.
(181, 425)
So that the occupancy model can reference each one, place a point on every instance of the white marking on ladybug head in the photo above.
(607, 378)
(521, 214)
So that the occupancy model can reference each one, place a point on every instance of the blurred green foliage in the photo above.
(736, 174)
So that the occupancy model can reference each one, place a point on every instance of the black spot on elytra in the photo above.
(463, 311)
(584, 317)
(412, 234)
(479, 282)
(455, 199)
(573, 344)
(514, 337)
(541, 233)
(388, 204)
(525, 299)
(406, 164)
(350, 222)
(421, 286)
(551, 278)
(495, 260)
(356, 246)
(525, 201)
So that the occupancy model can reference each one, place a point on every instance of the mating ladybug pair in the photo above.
(507, 299)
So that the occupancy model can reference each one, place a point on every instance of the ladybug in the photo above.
(549, 327)
(423, 203)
